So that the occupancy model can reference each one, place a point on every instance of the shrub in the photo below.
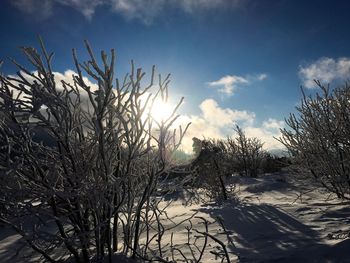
(210, 167)
(272, 163)
(318, 137)
(215, 160)
(88, 193)
(246, 153)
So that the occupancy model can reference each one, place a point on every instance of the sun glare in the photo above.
(161, 110)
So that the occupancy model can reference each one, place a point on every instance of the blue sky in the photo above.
(235, 61)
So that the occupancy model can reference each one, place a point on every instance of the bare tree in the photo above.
(90, 193)
(318, 137)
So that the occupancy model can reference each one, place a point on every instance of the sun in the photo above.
(161, 110)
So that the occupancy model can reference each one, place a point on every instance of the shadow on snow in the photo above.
(263, 233)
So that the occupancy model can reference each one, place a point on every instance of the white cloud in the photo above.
(143, 10)
(272, 124)
(266, 133)
(59, 78)
(262, 76)
(67, 77)
(325, 70)
(212, 122)
(219, 117)
(227, 85)
(217, 122)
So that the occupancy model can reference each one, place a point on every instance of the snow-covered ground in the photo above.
(277, 219)
(280, 220)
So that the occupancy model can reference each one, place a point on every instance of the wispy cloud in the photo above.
(42, 9)
(227, 85)
(262, 76)
(195, 5)
(142, 10)
(325, 70)
(85, 7)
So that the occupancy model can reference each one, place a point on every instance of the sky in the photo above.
(235, 61)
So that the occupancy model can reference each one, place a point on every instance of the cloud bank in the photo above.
(213, 121)
(325, 70)
(218, 123)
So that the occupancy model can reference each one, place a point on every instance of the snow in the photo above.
(278, 218)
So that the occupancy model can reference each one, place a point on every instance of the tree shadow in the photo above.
(11, 245)
(263, 233)
(342, 214)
